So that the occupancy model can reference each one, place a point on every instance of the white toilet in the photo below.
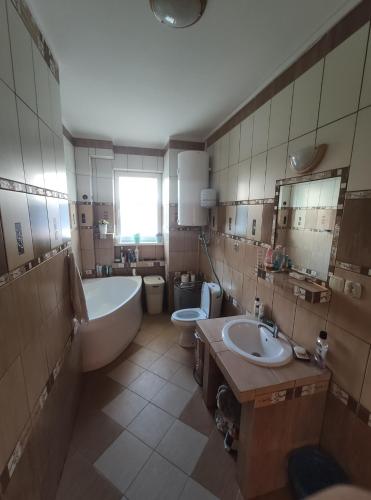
(185, 319)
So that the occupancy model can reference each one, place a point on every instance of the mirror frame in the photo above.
(343, 173)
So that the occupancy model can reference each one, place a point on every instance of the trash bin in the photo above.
(154, 286)
(311, 470)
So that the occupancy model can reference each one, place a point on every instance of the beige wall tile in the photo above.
(276, 168)
(234, 145)
(279, 122)
(60, 276)
(246, 138)
(366, 388)
(227, 278)
(307, 327)
(26, 294)
(237, 285)
(14, 409)
(11, 165)
(230, 221)
(6, 69)
(88, 259)
(283, 313)
(10, 330)
(87, 239)
(339, 138)
(46, 287)
(342, 77)
(55, 226)
(347, 359)
(264, 291)
(360, 166)
(243, 180)
(257, 179)
(261, 126)
(254, 223)
(353, 315)
(232, 183)
(305, 105)
(35, 371)
(366, 85)
(249, 292)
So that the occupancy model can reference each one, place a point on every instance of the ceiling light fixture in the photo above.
(178, 13)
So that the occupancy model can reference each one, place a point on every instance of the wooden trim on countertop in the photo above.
(348, 25)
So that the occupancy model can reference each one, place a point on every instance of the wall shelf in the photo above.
(303, 289)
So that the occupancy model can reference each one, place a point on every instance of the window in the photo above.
(138, 198)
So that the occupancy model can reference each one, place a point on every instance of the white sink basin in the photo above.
(254, 342)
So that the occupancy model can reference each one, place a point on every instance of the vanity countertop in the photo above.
(251, 382)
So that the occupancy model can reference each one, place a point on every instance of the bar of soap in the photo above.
(299, 349)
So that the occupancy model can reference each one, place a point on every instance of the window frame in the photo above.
(126, 173)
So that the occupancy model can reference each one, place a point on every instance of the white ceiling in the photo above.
(127, 78)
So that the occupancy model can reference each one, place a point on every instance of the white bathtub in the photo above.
(115, 314)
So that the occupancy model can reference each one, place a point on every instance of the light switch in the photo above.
(353, 289)
(336, 283)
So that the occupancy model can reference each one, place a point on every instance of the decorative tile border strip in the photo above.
(275, 397)
(21, 187)
(365, 271)
(9, 469)
(249, 241)
(24, 268)
(260, 201)
(357, 195)
(33, 29)
(354, 406)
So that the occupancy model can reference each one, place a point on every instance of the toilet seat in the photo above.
(188, 317)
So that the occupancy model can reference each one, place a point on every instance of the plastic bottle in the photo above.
(256, 307)
(136, 251)
(321, 349)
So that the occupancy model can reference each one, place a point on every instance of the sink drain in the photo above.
(256, 354)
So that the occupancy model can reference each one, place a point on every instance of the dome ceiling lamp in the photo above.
(178, 13)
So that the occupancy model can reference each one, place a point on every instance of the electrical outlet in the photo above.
(336, 283)
(353, 289)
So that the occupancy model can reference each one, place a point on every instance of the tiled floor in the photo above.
(143, 431)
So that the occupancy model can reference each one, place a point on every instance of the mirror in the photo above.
(305, 224)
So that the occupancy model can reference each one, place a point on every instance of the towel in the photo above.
(77, 292)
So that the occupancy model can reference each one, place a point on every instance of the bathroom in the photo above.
(165, 196)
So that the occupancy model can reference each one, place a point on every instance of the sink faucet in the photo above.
(271, 327)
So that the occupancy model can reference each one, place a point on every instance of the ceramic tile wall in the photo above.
(35, 312)
(95, 186)
(329, 103)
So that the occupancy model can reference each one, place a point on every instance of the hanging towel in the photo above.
(77, 292)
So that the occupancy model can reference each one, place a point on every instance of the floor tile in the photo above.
(81, 481)
(181, 354)
(182, 446)
(122, 461)
(162, 343)
(157, 480)
(184, 378)
(126, 373)
(147, 385)
(144, 357)
(98, 390)
(194, 491)
(125, 407)
(145, 336)
(151, 425)
(197, 415)
(172, 399)
(215, 458)
(93, 434)
(165, 367)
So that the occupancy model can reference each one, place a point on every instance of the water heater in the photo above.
(193, 177)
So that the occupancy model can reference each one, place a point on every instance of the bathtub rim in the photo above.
(139, 281)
